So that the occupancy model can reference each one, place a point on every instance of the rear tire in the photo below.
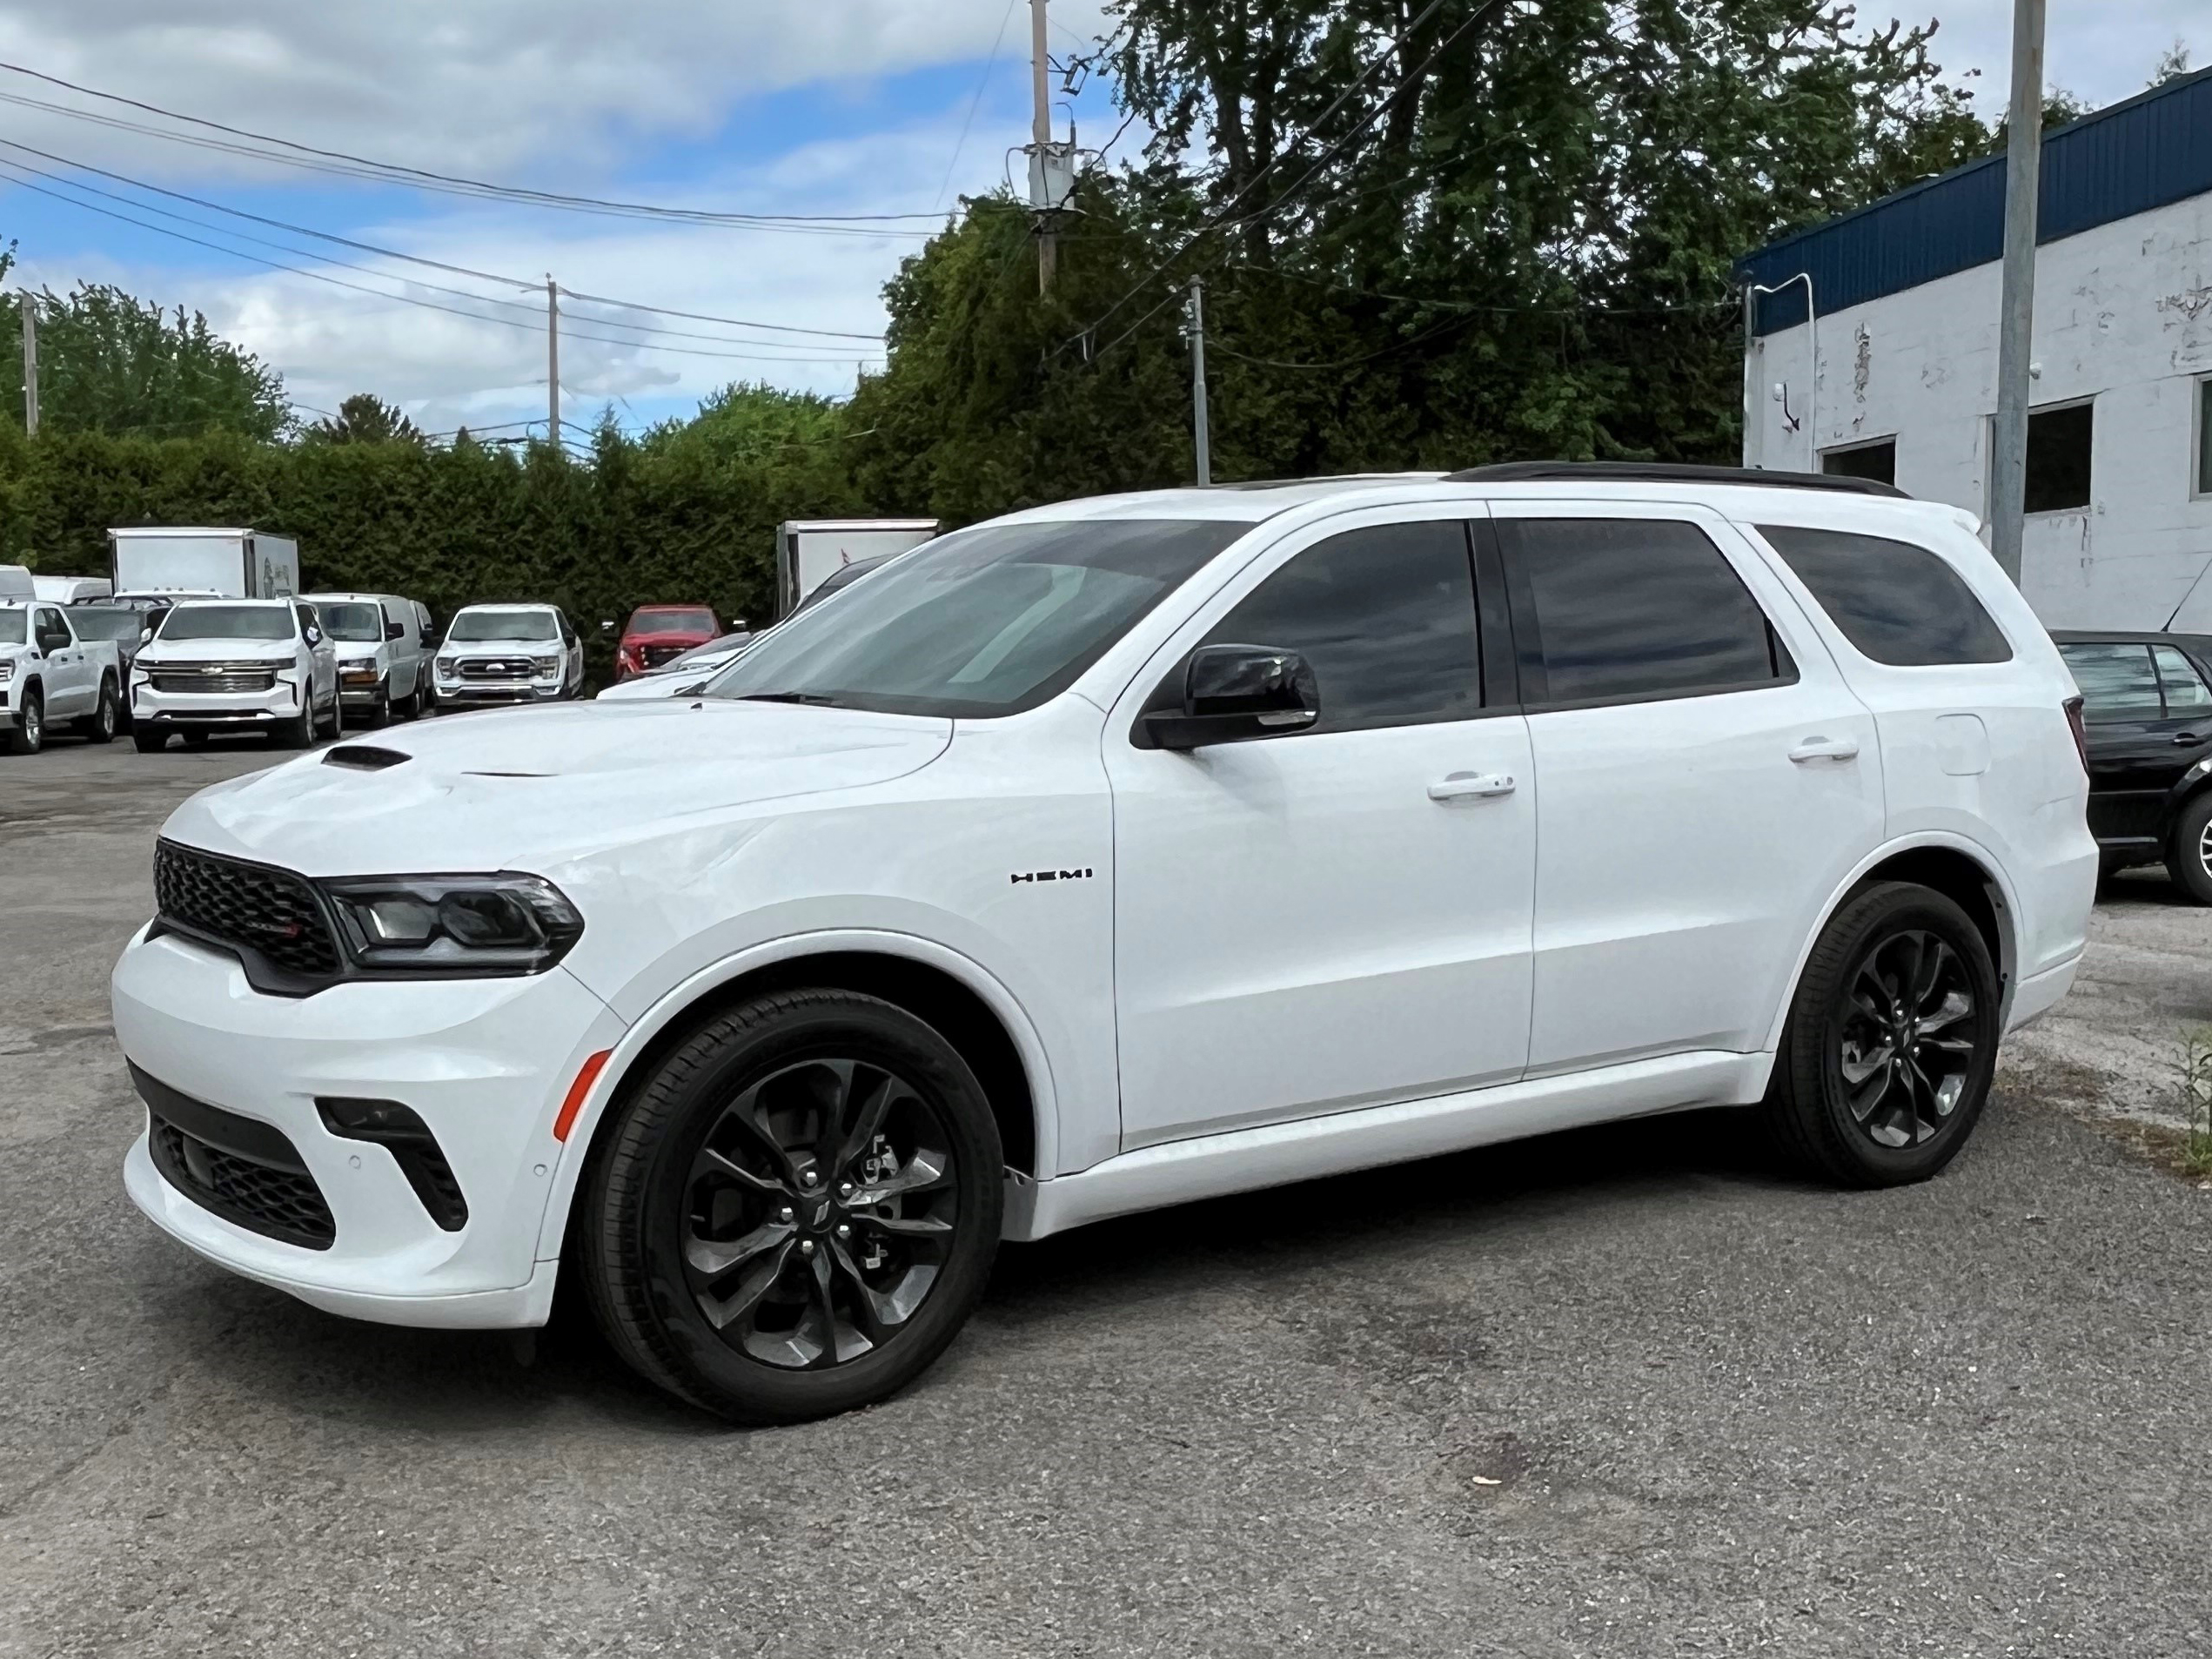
(2188, 854)
(28, 735)
(794, 1214)
(98, 727)
(1891, 1041)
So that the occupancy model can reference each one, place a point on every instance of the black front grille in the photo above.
(226, 677)
(270, 913)
(656, 654)
(495, 667)
(243, 1170)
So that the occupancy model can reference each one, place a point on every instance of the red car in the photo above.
(655, 633)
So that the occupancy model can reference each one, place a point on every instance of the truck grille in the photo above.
(226, 677)
(495, 667)
(654, 655)
(272, 913)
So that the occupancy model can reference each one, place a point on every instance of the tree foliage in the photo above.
(110, 362)
(363, 419)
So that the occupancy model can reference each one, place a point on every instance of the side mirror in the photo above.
(314, 637)
(1233, 694)
(146, 636)
(393, 631)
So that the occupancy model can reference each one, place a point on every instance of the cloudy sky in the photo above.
(836, 109)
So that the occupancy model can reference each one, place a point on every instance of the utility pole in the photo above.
(553, 362)
(2017, 308)
(30, 364)
(1195, 331)
(1040, 133)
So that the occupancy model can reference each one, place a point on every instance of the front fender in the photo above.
(672, 1003)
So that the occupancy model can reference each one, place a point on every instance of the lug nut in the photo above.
(844, 1189)
(784, 1215)
(806, 1246)
(807, 1177)
(844, 1232)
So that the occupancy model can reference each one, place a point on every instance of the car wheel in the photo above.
(28, 736)
(380, 711)
(297, 733)
(197, 739)
(148, 738)
(795, 1211)
(98, 727)
(1891, 1040)
(2189, 854)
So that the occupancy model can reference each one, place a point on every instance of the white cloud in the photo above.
(2100, 51)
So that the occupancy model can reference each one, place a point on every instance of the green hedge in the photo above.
(670, 517)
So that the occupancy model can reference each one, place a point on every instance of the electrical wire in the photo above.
(429, 178)
(9, 168)
(981, 82)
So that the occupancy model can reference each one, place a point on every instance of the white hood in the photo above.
(159, 651)
(501, 648)
(528, 788)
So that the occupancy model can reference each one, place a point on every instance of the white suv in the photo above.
(222, 666)
(1107, 855)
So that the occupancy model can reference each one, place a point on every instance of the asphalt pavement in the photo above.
(1624, 1392)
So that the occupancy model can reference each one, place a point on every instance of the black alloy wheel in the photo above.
(1891, 1042)
(794, 1212)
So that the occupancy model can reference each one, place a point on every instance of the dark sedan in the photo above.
(2146, 708)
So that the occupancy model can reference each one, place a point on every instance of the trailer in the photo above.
(225, 564)
(807, 550)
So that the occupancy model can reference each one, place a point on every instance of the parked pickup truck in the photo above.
(48, 673)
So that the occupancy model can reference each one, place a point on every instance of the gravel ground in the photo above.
(1626, 1392)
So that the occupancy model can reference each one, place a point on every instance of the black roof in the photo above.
(1651, 472)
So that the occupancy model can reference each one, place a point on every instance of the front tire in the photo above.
(148, 738)
(2189, 854)
(1891, 1041)
(28, 736)
(794, 1212)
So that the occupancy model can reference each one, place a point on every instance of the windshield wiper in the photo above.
(813, 697)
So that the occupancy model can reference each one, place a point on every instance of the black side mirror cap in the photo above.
(393, 631)
(1236, 693)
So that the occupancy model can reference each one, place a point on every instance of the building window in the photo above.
(2058, 457)
(1875, 460)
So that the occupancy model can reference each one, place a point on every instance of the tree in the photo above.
(110, 362)
(364, 419)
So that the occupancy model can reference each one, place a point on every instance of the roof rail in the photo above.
(1653, 472)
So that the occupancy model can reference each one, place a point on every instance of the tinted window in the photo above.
(106, 622)
(356, 623)
(228, 623)
(1385, 615)
(1897, 603)
(2117, 681)
(15, 627)
(672, 623)
(1627, 609)
(985, 621)
(2177, 678)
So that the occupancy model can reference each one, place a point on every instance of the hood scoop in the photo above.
(363, 757)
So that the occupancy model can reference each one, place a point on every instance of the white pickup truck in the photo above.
(47, 672)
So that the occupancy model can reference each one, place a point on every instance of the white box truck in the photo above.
(229, 564)
(807, 550)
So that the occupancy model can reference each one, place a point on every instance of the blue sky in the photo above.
(832, 107)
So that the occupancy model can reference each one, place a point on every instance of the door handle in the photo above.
(1825, 748)
(1463, 786)
(2187, 738)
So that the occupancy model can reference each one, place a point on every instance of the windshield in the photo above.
(504, 625)
(13, 629)
(229, 622)
(106, 622)
(356, 622)
(672, 623)
(986, 621)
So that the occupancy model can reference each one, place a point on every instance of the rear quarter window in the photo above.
(1897, 603)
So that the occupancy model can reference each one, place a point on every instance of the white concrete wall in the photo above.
(2123, 313)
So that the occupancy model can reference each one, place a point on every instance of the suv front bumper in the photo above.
(485, 1064)
(216, 708)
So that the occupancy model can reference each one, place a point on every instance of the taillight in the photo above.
(2080, 733)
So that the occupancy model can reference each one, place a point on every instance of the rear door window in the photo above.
(2184, 689)
(2118, 682)
(1386, 617)
(1896, 603)
(1625, 610)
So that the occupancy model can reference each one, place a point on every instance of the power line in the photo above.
(975, 102)
(15, 168)
(477, 186)
(393, 253)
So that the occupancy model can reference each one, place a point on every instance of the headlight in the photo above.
(7, 669)
(445, 666)
(547, 665)
(421, 926)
